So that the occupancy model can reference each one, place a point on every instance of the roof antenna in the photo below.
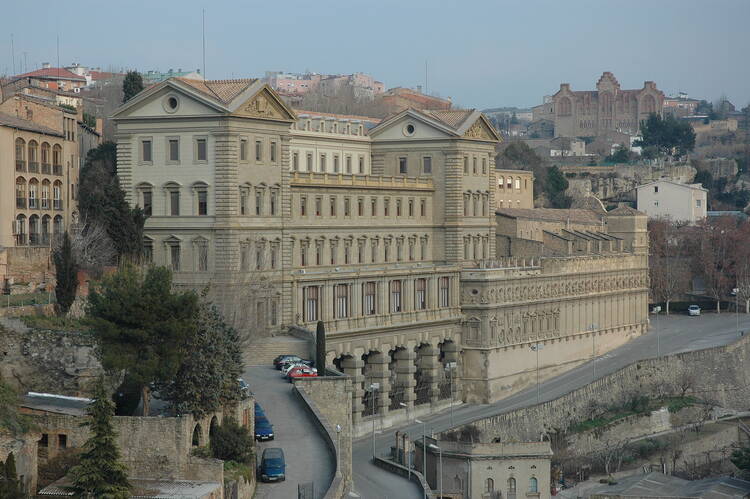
(13, 53)
(204, 44)
(425, 76)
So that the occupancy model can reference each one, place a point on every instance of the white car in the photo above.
(694, 310)
(288, 368)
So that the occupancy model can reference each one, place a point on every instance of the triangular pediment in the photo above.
(264, 104)
(410, 124)
(480, 130)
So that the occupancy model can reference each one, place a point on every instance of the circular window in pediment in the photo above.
(409, 129)
(171, 103)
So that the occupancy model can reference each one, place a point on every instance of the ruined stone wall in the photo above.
(719, 375)
(28, 265)
(24, 452)
(60, 362)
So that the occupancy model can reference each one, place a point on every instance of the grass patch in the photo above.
(234, 470)
(636, 407)
(55, 323)
(24, 299)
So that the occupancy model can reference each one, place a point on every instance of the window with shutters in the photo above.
(420, 294)
(341, 293)
(368, 297)
(311, 300)
(444, 289)
(395, 296)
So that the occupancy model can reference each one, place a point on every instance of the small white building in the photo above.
(668, 199)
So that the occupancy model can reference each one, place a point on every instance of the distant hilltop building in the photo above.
(152, 77)
(65, 79)
(296, 84)
(400, 98)
(591, 113)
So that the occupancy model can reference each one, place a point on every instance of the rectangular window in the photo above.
(427, 165)
(347, 207)
(146, 151)
(411, 207)
(273, 152)
(360, 207)
(420, 294)
(258, 259)
(303, 255)
(243, 201)
(332, 206)
(373, 206)
(474, 161)
(444, 287)
(243, 149)
(174, 254)
(148, 203)
(62, 441)
(395, 296)
(318, 254)
(422, 208)
(295, 161)
(398, 207)
(386, 206)
(174, 150)
(309, 162)
(361, 165)
(698, 203)
(174, 203)
(202, 257)
(656, 189)
(303, 206)
(201, 149)
(368, 298)
(274, 201)
(202, 203)
(274, 255)
(258, 202)
(341, 293)
(347, 254)
(484, 166)
(348, 164)
(258, 150)
(466, 165)
(336, 163)
(311, 303)
(402, 166)
(244, 257)
(323, 162)
(318, 207)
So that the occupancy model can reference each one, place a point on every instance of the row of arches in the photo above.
(36, 195)
(35, 230)
(30, 155)
(608, 105)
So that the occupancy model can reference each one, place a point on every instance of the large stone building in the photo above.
(386, 234)
(590, 113)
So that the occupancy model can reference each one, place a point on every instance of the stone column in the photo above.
(430, 365)
(380, 374)
(405, 369)
(353, 367)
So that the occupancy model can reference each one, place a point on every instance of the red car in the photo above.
(301, 372)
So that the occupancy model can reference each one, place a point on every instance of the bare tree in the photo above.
(612, 454)
(668, 261)
(714, 256)
(92, 247)
(742, 265)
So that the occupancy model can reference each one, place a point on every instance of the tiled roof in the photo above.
(223, 90)
(552, 214)
(57, 404)
(624, 211)
(53, 73)
(103, 75)
(29, 126)
(453, 118)
(339, 116)
(146, 489)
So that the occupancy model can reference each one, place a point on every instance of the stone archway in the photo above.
(197, 440)
(212, 427)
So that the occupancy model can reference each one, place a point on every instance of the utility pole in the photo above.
(204, 44)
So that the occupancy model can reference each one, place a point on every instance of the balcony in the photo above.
(20, 165)
(21, 203)
(33, 204)
(57, 170)
(33, 167)
(34, 239)
(45, 204)
(46, 168)
(20, 239)
(57, 204)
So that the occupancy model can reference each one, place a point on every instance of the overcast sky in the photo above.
(480, 53)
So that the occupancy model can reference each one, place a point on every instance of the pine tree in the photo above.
(100, 473)
(320, 349)
(132, 84)
(66, 272)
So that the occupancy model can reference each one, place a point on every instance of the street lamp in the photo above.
(440, 461)
(424, 453)
(592, 328)
(736, 292)
(657, 309)
(372, 388)
(338, 448)
(536, 347)
(450, 366)
(408, 453)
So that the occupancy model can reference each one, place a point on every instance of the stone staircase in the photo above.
(263, 351)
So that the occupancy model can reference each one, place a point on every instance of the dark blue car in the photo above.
(263, 430)
(272, 465)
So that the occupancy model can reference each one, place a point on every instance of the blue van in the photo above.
(272, 465)
(263, 430)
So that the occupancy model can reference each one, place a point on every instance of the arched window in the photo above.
(146, 198)
(457, 484)
(197, 436)
(606, 104)
(20, 192)
(46, 158)
(533, 485)
(33, 156)
(518, 183)
(57, 226)
(33, 194)
(57, 159)
(19, 230)
(20, 155)
(564, 107)
(34, 238)
(511, 488)
(45, 229)
(45, 194)
(501, 182)
(489, 485)
(57, 195)
(509, 184)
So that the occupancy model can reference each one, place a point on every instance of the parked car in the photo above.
(694, 310)
(288, 367)
(301, 372)
(272, 465)
(284, 358)
(259, 411)
(263, 430)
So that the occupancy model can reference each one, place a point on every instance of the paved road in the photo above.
(677, 333)
(307, 457)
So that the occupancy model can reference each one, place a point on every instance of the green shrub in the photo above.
(232, 442)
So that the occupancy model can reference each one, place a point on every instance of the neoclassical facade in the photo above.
(370, 228)
(590, 113)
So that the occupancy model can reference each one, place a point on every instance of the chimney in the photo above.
(46, 65)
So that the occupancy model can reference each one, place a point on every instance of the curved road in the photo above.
(676, 333)
(307, 457)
